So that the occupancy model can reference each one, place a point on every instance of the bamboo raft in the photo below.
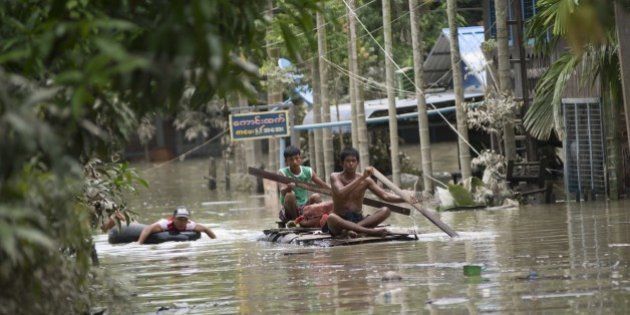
(314, 237)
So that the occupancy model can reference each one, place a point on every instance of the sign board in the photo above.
(259, 125)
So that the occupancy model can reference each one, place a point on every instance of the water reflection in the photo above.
(553, 258)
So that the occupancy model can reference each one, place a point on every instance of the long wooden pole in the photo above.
(285, 180)
(425, 212)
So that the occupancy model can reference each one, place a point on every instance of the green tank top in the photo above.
(306, 174)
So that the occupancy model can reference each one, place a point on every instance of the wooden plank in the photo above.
(425, 212)
(286, 180)
(369, 239)
(313, 237)
(308, 237)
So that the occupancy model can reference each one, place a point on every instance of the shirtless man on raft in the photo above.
(348, 189)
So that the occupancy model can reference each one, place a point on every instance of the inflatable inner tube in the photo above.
(131, 233)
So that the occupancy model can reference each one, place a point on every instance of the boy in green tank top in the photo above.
(292, 198)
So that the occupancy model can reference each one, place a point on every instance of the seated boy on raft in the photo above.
(179, 222)
(348, 189)
(293, 199)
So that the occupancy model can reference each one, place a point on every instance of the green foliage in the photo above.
(580, 23)
(75, 77)
(589, 30)
(104, 186)
(45, 233)
(544, 114)
(462, 197)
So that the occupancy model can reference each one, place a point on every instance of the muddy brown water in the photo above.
(557, 258)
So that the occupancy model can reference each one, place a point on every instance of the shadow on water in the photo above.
(551, 258)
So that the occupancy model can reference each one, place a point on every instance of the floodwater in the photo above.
(557, 258)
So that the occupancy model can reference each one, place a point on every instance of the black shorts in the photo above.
(348, 216)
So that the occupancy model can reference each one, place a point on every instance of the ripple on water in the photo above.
(572, 249)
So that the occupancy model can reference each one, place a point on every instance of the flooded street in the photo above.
(553, 258)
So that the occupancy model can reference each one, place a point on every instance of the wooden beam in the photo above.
(425, 212)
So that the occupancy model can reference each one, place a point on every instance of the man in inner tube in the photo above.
(179, 222)
(293, 199)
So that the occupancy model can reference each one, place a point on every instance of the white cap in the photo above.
(181, 212)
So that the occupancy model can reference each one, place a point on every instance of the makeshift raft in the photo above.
(314, 237)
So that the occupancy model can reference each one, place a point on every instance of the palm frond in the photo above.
(543, 117)
(580, 23)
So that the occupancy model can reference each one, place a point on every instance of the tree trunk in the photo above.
(611, 129)
(311, 148)
(317, 117)
(423, 120)
(226, 166)
(272, 95)
(391, 96)
(339, 129)
(505, 79)
(351, 89)
(362, 136)
(329, 159)
(249, 146)
(462, 128)
(147, 156)
(492, 87)
(622, 22)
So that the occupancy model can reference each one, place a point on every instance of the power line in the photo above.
(407, 77)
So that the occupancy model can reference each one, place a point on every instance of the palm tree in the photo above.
(462, 128)
(505, 78)
(590, 34)
(323, 79)
(391, 96)
(423, 120)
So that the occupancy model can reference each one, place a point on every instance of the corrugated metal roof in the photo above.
(437, 65)
(373, 106)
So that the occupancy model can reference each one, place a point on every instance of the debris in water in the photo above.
(556, 295)
(391, 276)
(447, 301)
(223, 202)
(247, 209)
(472, 270)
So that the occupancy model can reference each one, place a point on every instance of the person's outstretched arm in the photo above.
(319, 181)
(148, 230)
(203, 228)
